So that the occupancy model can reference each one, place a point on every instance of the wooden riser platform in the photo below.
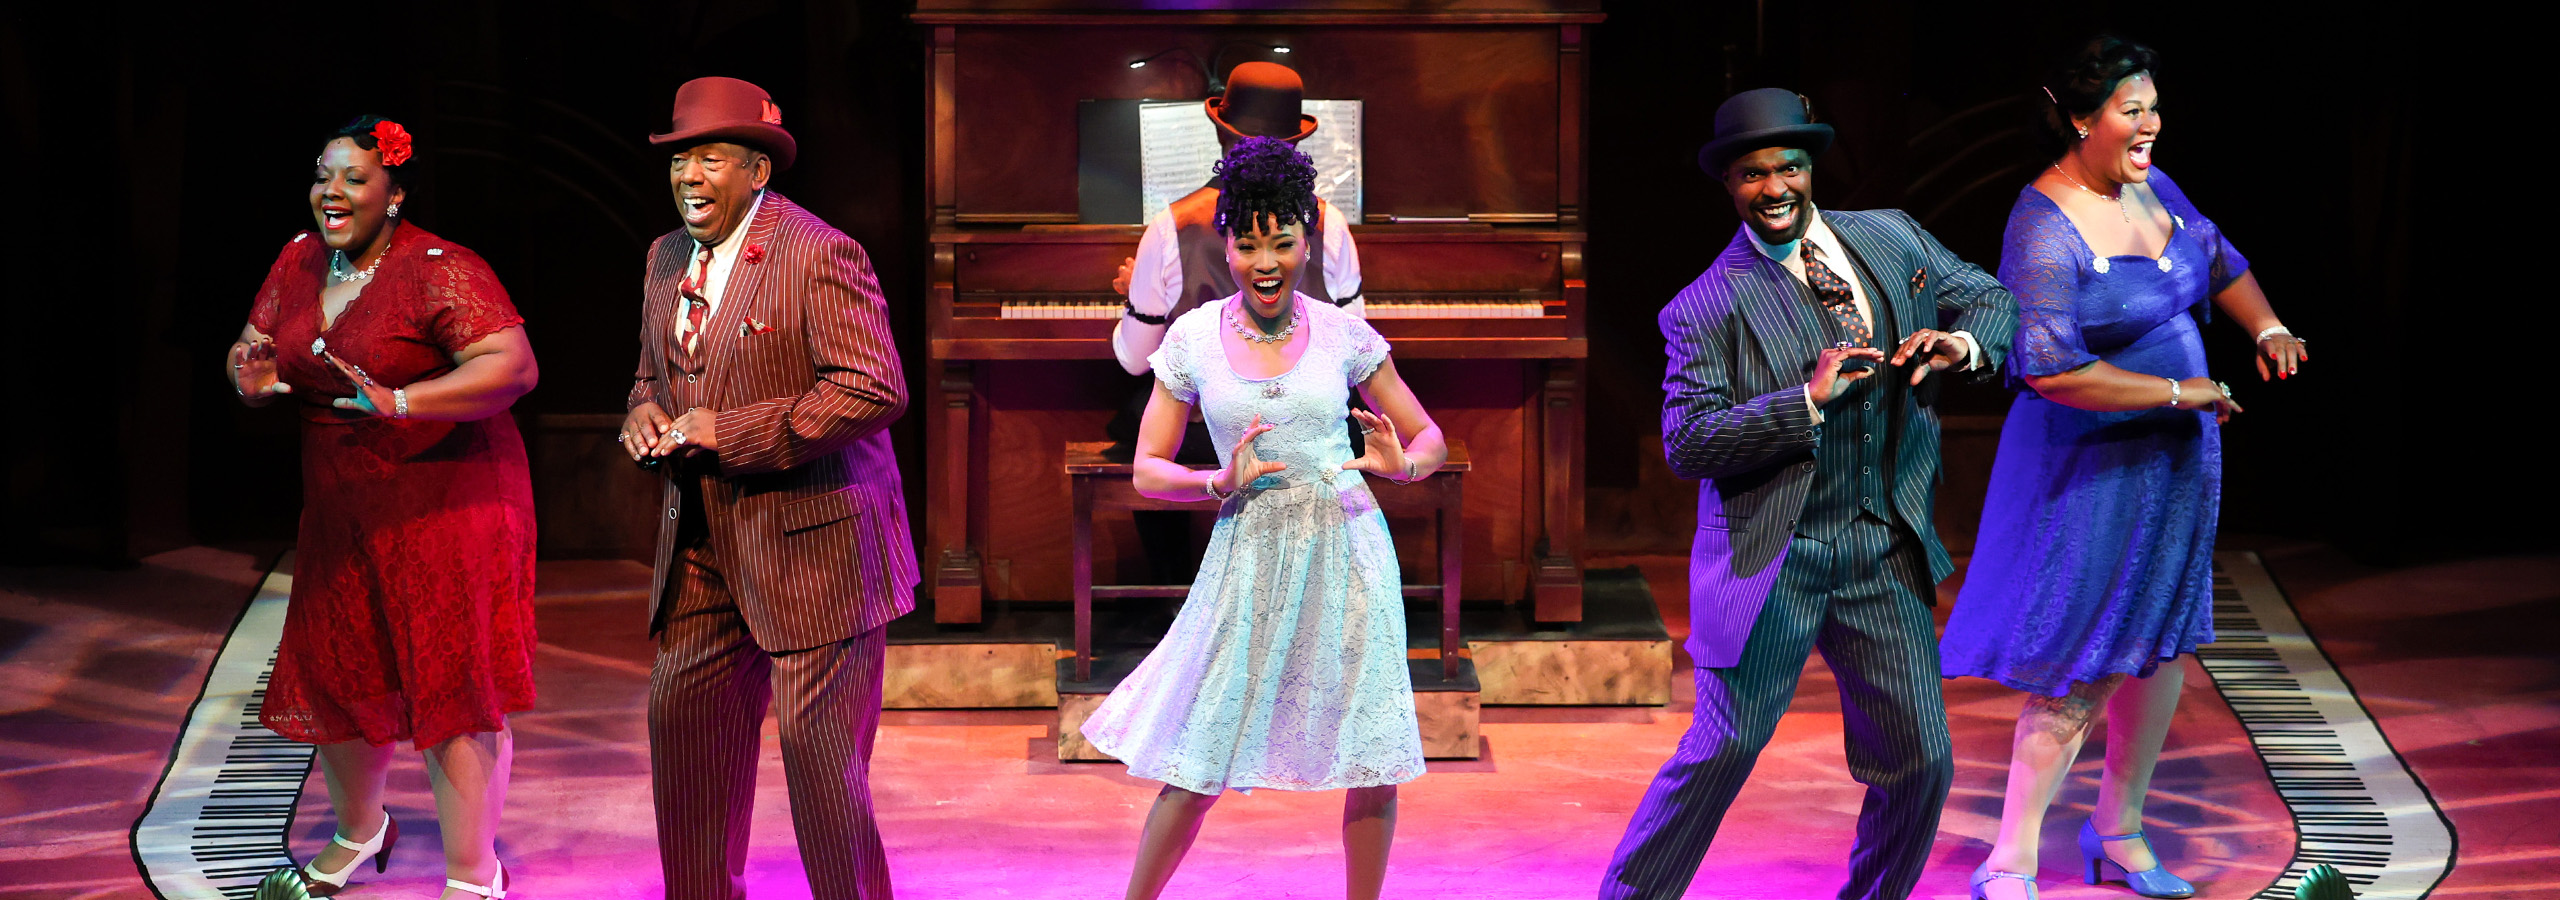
(1618, 655)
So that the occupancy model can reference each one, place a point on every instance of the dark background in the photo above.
(158, 164)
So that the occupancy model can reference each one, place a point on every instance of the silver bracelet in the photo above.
(2174, 391)
(399, 403)
(2272, 331)
(1210, 484)
(1412, 472)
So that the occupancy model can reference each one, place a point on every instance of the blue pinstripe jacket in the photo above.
(1742, 341)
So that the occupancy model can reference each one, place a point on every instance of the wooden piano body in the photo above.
(1473, 117)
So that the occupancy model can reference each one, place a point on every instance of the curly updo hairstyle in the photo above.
(2084, 81)
(360, 130)
(1265, 177)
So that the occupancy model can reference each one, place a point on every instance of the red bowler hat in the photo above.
(727, 109)
(1262, 100)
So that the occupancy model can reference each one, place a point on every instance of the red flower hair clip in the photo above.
(755, 254)
(392, 141)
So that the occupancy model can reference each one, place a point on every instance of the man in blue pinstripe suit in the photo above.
(1820, 457)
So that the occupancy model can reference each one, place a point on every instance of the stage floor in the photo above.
(2455, 662)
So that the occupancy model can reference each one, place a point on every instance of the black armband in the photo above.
(1131, 310)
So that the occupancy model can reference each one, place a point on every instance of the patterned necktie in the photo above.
(1835, 296)
(695, 307)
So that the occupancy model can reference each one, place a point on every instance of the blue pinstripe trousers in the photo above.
(1858, 600)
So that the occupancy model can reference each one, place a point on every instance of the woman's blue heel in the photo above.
(2153, 882)
(1983, 875)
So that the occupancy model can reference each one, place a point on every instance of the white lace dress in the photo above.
(1286, 668)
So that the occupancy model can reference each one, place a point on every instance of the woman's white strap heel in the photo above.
(322, 884)
(496, 889)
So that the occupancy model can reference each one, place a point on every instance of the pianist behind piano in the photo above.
(1182, 260)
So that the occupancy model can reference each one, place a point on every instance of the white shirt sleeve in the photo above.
(1972, 351)
(1342, 262)
(1155, 281)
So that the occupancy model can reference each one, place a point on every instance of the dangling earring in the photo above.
(395, 207)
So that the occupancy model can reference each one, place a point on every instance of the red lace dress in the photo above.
(412, 610)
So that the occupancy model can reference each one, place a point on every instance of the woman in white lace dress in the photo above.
(1286, 668)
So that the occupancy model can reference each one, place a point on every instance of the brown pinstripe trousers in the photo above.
(708, 693)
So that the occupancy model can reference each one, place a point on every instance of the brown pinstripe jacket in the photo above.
(805, 510)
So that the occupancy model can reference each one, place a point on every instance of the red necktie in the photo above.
(696, 309)
(1834, 294)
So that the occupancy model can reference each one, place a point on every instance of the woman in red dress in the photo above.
(412, 609)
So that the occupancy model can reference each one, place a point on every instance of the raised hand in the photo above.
(1120, 282)
(1244, 465)
(2280, 355)
(1939, 351)
(1385, 451)
(253, 371)
(640, 430)
(1827, 379)
(370, 398)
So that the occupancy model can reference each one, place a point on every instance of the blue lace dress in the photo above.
(1286, 667)
(2096, 551)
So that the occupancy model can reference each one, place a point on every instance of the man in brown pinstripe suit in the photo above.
(785, 549)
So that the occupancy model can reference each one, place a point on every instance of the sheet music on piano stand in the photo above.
(1178, 146)
(217, 822)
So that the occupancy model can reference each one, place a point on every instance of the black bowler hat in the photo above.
(1768, 117)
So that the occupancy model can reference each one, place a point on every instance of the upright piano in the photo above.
(1471, 251)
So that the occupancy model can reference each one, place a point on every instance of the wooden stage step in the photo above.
(1618, 655)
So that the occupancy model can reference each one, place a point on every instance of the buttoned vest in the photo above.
(1853, 463)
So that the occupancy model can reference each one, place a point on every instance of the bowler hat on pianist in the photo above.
(1768, 117)
(1263, 99)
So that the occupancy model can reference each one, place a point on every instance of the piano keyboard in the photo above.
(2355, 805)
(1060, 309)
(1379, 309)
(1458, 309)
(218, 820)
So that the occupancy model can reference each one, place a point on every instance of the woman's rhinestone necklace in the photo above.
(1235, 318)
(2118, 198)
(345, 271)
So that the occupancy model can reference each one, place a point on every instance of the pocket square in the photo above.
(751, 326)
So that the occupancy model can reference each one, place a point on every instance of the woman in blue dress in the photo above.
(1286, 667)
(2095, 561)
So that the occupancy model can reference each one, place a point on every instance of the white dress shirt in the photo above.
(724, 257)
(1155, 282)
(1837, 261)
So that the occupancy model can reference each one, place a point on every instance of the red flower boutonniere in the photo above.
(755, 254)
(392, 141)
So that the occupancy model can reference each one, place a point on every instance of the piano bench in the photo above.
(1102, 484)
